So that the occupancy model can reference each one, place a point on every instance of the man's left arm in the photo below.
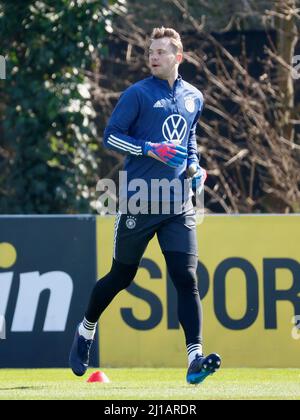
(193, 157)
(194, 169)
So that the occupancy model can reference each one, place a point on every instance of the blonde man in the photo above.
(154, 124)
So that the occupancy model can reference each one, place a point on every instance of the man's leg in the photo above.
(183, 272)
(119, 278)
(178, 241)
(130, 243)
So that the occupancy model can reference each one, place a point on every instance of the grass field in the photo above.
(150, 384)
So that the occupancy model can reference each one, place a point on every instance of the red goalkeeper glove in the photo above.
(168, 153)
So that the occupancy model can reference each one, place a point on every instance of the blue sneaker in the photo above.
(80, 354)
(201, 367)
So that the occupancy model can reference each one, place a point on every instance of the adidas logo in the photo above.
(158, 104)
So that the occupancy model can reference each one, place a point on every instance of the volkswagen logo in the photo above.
(174, 128)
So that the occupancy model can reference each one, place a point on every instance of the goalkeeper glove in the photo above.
(198, 175)
(168, 153)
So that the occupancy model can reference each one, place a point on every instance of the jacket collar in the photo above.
(165, 82)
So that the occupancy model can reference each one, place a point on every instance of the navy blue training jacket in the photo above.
(150, 110)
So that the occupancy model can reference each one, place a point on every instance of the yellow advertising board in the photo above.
(249, 281)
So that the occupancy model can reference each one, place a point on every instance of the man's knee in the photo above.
(185, 280)
(123, 274)
(183, 270)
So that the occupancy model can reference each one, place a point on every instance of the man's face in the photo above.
(163, 59)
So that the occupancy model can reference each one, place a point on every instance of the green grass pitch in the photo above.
(150, 384)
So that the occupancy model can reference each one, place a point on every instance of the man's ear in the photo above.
(179, 58)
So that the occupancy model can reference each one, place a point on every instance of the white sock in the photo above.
(87, 329)
(193, 350)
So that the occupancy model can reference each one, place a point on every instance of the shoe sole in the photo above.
(79, 374)
(212, 364)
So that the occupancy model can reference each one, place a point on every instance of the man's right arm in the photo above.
(116, 134)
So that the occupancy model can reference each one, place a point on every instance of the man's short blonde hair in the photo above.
(174, 36)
